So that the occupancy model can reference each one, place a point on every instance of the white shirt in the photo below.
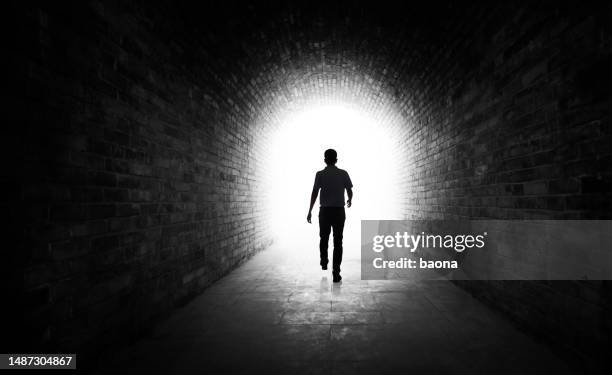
(332, 181)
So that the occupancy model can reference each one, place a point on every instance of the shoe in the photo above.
(337, 278)
(324, 267)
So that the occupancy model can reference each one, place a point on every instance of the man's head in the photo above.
(331, 157)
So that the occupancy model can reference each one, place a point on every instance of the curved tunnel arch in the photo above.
(360, 100)
(392, 65)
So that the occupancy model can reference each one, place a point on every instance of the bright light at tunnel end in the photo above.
(366, 150)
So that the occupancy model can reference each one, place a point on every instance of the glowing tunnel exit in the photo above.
(366, 150)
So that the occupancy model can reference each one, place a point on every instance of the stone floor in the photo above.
(279, 313)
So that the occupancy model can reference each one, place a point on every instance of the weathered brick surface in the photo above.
(525, 134)
(135, 190)
(143, 130)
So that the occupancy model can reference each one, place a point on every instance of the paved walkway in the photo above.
(279, 313)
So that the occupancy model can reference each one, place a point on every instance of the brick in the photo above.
(127, 209)
(535, 188)
(103, 179)
(100, 211)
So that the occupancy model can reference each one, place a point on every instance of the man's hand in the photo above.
(309, 217)
(349, 193)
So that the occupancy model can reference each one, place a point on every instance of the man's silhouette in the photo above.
(332, 181)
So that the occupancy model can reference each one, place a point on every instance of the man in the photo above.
(332, 181)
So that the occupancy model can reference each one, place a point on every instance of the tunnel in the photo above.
(159, 158)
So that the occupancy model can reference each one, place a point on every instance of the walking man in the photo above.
(332, 181)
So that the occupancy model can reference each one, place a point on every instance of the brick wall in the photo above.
(142, 141)
(134, 188)
(520, 128)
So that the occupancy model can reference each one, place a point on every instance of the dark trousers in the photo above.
(331, 218)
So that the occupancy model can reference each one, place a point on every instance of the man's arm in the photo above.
(313, 199)
(348, 184)
(349, 192)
